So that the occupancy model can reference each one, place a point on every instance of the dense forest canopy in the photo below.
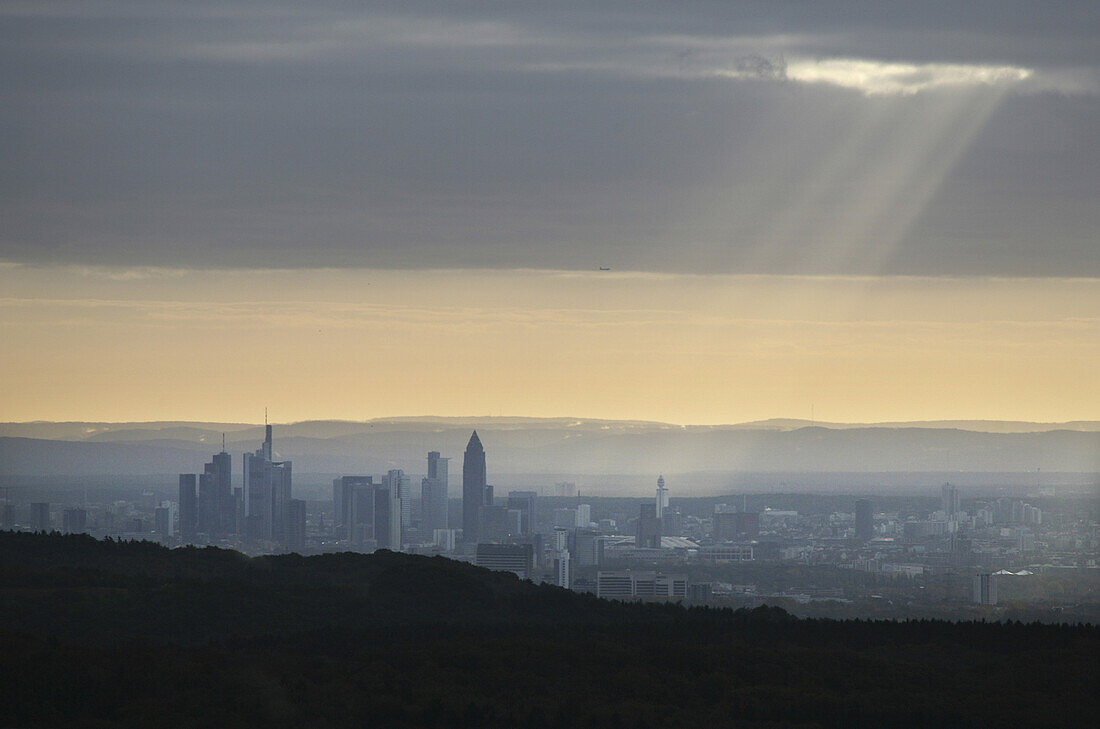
(112, 634)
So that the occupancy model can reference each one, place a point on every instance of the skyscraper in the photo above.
(437, 466)
(343, 506)
(949, 499)
(267, 489)
(387, 518)
(295, 525)
(526, 503)
(433, 495)
(360, 516)
(40, 517)
(217, 507)
(984, 589)
(162, 521)
(649, 527)
(864, 523)
(189, 508)
(562, 570)
(74, 521)
(473, 488)
(400, 485)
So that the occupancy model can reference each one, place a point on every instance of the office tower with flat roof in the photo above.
(281, 476)
(949, 500)
(526, 503)
(162, 521)
(295, 522)
(400, 484)
(516, 558)
(474, 488)
(217, 506)
(565, 518)
(515, 522)
(360, 524)
(731, 523)
(865, 528)
(387, 518)
(648, 534)
(493, 523)
(189, 507)
(562, 572)
(40, 517)
(433, 505)
(343, 498)
(984, 589)
(433, 495)
(586, 547)
(74, 521)
(438, 466)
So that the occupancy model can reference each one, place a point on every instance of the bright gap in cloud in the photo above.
(877, 78)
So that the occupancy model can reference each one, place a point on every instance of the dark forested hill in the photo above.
(110, 634)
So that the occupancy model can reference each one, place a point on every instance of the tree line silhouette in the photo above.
(115, 634)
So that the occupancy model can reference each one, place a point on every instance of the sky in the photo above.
(865, 210)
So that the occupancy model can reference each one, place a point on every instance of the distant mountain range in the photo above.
(559, 446)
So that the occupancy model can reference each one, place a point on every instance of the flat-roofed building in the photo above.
(643, 583)
(40, 517)
(985, 589)
(518, 559)
(74, 521)
(727, 553)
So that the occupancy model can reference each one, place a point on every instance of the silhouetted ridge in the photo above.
(120, 634)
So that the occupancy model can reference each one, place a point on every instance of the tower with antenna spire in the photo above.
(267, 492)
(662, 496)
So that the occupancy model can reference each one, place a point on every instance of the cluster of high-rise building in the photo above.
(369, 514)
(261, 512)
(611, 547)
(378, 514)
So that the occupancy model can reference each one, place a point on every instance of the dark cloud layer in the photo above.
(689, 136)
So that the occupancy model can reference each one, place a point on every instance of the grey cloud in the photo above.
(649, 136)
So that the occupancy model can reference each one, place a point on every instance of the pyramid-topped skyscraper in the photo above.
(475, 493)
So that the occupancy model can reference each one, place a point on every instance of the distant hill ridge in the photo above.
(548, 446)
(200, 431)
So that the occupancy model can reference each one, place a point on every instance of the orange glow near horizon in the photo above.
(125, 345)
